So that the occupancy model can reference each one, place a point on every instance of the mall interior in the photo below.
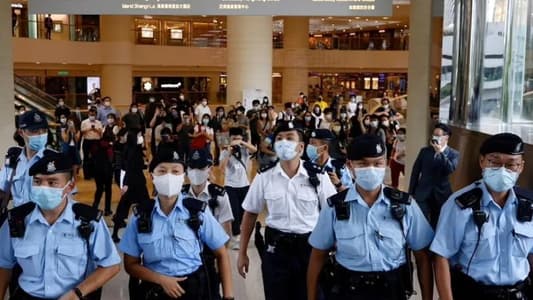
(468, 61)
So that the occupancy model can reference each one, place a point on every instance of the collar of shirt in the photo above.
(23, 157)
(353, 195)
(444, 148)
(67, 215)
(486, 198)
(178, 205)
(301, 170)
(204, 194)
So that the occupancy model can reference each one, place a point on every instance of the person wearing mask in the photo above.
(106, 109)
(327, 122)
(390, 133)
(359, 121)
(309, 122)
(166, 122)
(202, 135)
(351, 106)
(386, 110)
(183, 105)
(430, 183)
(167, 140)
(69, 137)
(321, 103)
(58, 260)
(265, 103)
(61, 110)
(267, 156)
(483, 240)
(175, 118)
(201, 110)
(264, 124)
(149, 113)
(317, 115)
(293, 204)
(91, 131)
(341, 128)
(242, 121)
(184, 132)
(133, 183)
(234, 163)
(179, 273)
(133, 119)
(375, 128)
(288, 113)
(118, 152)
(397, 162)
(372, 229)
(216, 124)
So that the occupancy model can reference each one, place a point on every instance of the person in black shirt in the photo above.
(61, 109)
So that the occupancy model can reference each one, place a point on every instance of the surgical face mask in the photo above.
(220, 113)
(61, 103)
(374, 124)
(308, 119)
(317, 111)
(197, 176)
(401, 137)
(63, 120)
(369, 178)
(343, 115)
(385, 105)
(140, 140)
(205, 121)
(360, 106)
(353, 99)
(134, 109)
(182, 97)
(499, 179)
(110, 121)
(47, 198)
(169, 184)
(264, 116)
(385, 123)
(285, 150)
(312, 152)
(204, 103)
(437, 138)
(152, 100)
(37, 142)
(107, 103)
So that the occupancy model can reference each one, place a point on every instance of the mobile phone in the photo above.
(92, 126)
(435, 141)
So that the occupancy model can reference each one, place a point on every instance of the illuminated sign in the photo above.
(215, 7)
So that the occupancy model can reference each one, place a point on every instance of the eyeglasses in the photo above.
(509, 166)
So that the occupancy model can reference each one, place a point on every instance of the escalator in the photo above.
(34, 98)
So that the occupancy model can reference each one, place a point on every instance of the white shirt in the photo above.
(292, 203)
(235, 174)
(200, 111)
(222, 212)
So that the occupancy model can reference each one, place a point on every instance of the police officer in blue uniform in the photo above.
(485, 234)
(33, 127)
(318, 151)
(371, 227)
(163, 241)
(63, 247)
(293, 191)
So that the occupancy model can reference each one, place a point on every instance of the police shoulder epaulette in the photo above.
(470, 199)
(397, 196)
(185, 188)
(312, 168)
(22, 210)
(194, 206)
(524, 194)
(524, 211)
(216, 190)
(12, 156)
(16, 219)
(338, 163)
(86, 212)
(144, 207)
(338, 198)
(263, 169)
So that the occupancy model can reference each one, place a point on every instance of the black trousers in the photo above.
(466, 288)
(284, 266)
(134, 194)
(88, 160)
(20, 294)
(195, 287)
(104, 183)
(236, 198)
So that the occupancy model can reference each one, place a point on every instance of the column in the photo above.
(419, 77)
(213, 87)
(249, 53)
(117, 38)
(7, 121)
(295, 47)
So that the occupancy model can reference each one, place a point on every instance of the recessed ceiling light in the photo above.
(385, 18)
(323, 19)
(38, 62)
(329, 18)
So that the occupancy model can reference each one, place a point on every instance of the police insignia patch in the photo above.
(290, 125)
(176, 155)
(51, 167)
(195, 155)
(37, 118)
(313, 134)
(378, 149)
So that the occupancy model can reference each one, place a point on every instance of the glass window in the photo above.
(523, 112)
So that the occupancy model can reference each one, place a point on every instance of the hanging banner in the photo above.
(215, 7)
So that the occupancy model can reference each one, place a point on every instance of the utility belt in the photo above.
(465, 287)
(195, 287)
(20, 294)
(289, 243)
(379, 280)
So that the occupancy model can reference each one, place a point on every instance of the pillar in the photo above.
(213, 87)
(7, 123)
(419, 76)
(117, 37)
(249, 50)
(295, 47)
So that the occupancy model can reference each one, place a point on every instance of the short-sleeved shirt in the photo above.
(91, 135)
(222, 211)
(293, 203)
(371, 240)
(54, 257)
(236, 172)
(501, 256)
(21, 186)
(172, 248)
(346, 177)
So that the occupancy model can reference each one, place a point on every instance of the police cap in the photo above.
(366, 145)
(283, 126)
(52, 162)
(322, 134)
(32, 120)
(200, 159)
(165, 155)
(506, 143)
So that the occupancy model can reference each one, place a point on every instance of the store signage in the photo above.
(215, 7)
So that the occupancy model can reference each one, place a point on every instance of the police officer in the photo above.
(485, 233)
(33, 127)
(293, 192)
(63, 247)
(372, 226)
(318, 151)
(169, 234)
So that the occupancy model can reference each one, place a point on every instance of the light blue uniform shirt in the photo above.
(346, 177)
(172, 248)
(54, 257)
(371, 240)
(501, 257)
(20, 189)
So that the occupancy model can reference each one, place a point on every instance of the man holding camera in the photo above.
(234, 163)
(91, 130)
(430, 184)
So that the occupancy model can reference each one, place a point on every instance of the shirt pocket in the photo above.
(307, 203)
(151, 246)
(522, 240)
(29, 258)
(350, 239)
(487, 248)
(184, 243)
(71, 260)
(275, 204)
(391, 241)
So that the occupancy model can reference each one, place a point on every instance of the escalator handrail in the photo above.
(35, 90)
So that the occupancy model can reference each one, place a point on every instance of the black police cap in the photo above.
(165, 155)
(32, 120)
(52, 162)
(200, 159)
(366, 145)
(322, 134)
(506, 143)
(283, 126)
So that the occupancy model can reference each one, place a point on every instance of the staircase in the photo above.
(34, 98)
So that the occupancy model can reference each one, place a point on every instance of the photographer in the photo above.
(234, 164)
(91, 130)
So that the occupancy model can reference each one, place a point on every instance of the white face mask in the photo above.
(198, 176)
(140, 140)
(169, 184)
(134, 109)
(374, 124)
(286, 150)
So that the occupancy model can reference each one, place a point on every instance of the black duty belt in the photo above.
(356, 279)
(277, 241)
(463, 284)
(195, 283)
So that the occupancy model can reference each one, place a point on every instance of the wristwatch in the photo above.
(228, 298)
(338, 185)
(79, 294)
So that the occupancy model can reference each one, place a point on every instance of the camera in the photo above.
(92, 126)
(235, 149)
